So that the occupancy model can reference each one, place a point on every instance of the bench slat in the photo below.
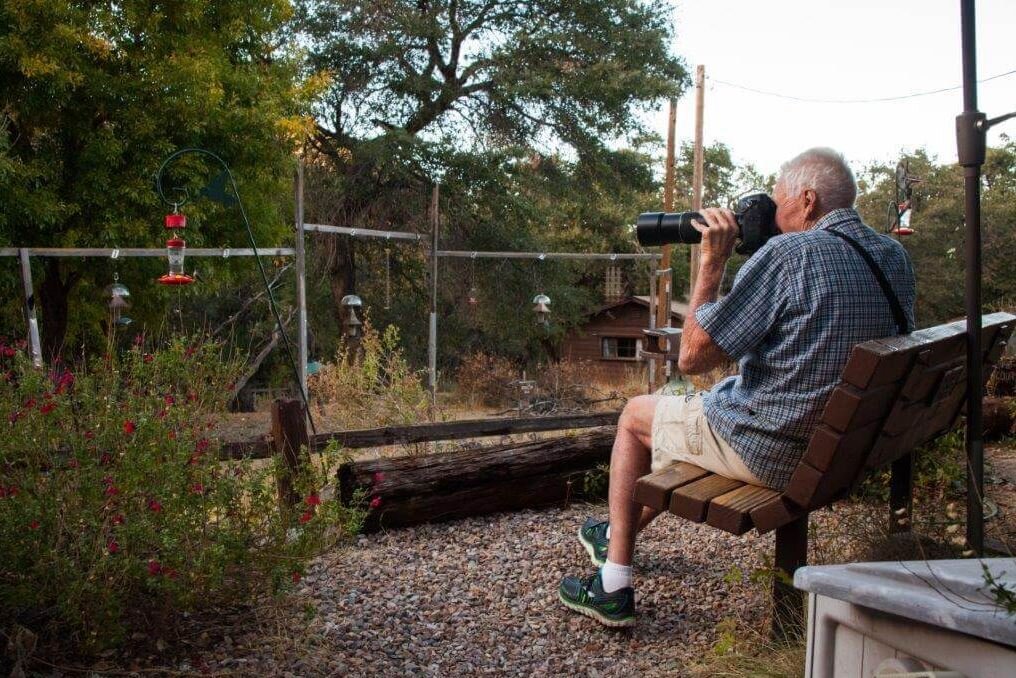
(692, 500)
(654, 489)
(850, 406)
(827, 445)
(730, 512)
(775, 513)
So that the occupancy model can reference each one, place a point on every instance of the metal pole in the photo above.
(34, 343)
(301, 277)
(661, 307)
(970, 141)
(698, 170)
(435, 217)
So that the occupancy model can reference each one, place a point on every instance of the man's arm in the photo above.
(699, 353)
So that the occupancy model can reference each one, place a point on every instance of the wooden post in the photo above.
(31, 322)
(301, 277)
(663, 281)
(699, 167)
(435, 217)
(901, 494)
(289, 431)
(788, 602)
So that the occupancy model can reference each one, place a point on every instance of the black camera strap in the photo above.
(894, 303)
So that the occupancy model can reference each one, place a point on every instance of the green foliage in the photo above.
(94, 96)
(114, 507)
(1002, 594)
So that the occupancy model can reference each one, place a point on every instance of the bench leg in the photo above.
(788, 602)
(901, 485)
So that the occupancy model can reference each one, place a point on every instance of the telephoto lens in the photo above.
(663, 228)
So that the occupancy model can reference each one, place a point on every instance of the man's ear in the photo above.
(809, 202)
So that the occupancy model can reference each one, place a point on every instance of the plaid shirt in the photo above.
(797, 307)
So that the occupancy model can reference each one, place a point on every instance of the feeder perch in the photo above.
(541, 306)
(350, 323)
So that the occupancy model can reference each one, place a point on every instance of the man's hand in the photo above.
(719, 233)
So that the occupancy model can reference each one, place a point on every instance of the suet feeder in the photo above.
(175, 250)
(541, 306)
(351, 325)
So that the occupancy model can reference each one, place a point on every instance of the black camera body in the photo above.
(755, 215)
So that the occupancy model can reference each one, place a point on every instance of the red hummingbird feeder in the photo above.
(175, 249)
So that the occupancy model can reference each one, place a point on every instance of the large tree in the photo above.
(94, 94)
(412, 82)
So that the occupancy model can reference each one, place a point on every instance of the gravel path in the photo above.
(479, 597)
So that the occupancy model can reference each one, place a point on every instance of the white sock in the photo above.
(607, 533)
(615, 576)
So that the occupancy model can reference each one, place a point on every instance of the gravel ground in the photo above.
(479, 597)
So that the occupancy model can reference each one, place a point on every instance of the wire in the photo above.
(875, 100)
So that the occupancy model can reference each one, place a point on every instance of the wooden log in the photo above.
(417, 489)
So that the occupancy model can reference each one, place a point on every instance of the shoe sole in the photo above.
(593, 614)
(590, 549)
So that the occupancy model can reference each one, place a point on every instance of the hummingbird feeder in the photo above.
(175, 249)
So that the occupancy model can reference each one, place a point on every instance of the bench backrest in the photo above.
(895, 394)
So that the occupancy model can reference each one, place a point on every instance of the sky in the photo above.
(861, 49)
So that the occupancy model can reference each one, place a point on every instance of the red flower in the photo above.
(306, 516)
(73, 463)
(30, 403)
(296, 577)
(12, 491)
(169, 572)
(48, 407)
(112, 546)
(112, 491)
(129, 427)
(34, 525)
(106, 458)
(154, 567)
(378, 477)
(148, 357)
(154, 506)
(139, 339)
(313, 500)
(169, 400)
(8, 352)
(201, 445)
(118, 519)
(198, 488)
(13, 417)
(171, 435)
(89, 435)
(375, 502)
(192, 396)
(162, 414)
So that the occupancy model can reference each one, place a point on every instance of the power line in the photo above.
(852, 101)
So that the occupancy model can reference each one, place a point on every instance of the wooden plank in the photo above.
(808, 487)
(775, 513)
(260, 448)
(654, 489)
(730, 512)
(289, 429)
(849, 406)
(826, 444)
(692, 500)
(456, 430)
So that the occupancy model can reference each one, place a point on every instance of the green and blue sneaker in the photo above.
(586, 596)
(593, 535)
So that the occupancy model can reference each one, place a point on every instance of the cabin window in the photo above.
(619, 348)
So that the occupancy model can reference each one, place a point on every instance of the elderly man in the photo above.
(797, 307)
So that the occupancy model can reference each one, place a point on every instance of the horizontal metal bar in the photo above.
(548, 255)
(220, 252)
(363, 232)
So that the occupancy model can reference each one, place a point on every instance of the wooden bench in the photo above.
(894, 395)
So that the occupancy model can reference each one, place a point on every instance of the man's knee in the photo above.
(637, 415)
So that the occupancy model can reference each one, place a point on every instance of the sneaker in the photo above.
(587, 597)
(593, 535)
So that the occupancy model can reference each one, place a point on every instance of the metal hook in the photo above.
(474, 255)
(115, 254)
(613, 256)
(352, 232)
(225, 253)
(542, 256)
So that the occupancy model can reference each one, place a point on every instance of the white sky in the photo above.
(839, 50)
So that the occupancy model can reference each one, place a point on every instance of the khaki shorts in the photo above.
(682, 433)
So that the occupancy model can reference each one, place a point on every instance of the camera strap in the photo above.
(894, 303)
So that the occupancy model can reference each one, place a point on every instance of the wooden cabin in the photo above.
(611, 338)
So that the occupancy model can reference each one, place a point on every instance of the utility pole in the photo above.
(435, 219)
(699, 166)
(664, 276)
(301, 277)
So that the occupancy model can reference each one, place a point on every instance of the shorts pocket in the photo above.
(693, 436)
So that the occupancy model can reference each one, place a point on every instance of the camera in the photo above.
(755, 215)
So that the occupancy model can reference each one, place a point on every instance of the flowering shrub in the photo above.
(114, 506)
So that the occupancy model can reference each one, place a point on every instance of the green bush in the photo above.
(115, 508)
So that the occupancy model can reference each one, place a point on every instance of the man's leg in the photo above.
(629, 461)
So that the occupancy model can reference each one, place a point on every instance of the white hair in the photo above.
(824, 171)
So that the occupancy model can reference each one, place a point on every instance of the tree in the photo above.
(94, 95)
(415, 83)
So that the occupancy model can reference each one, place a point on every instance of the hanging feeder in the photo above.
(474, 296)
(903, 223)
(541, 306)
(118, 302)
(351, 325)
(175, 250)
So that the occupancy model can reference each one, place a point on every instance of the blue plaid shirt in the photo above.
(797, 307)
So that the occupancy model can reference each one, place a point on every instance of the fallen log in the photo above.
(457, 484)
